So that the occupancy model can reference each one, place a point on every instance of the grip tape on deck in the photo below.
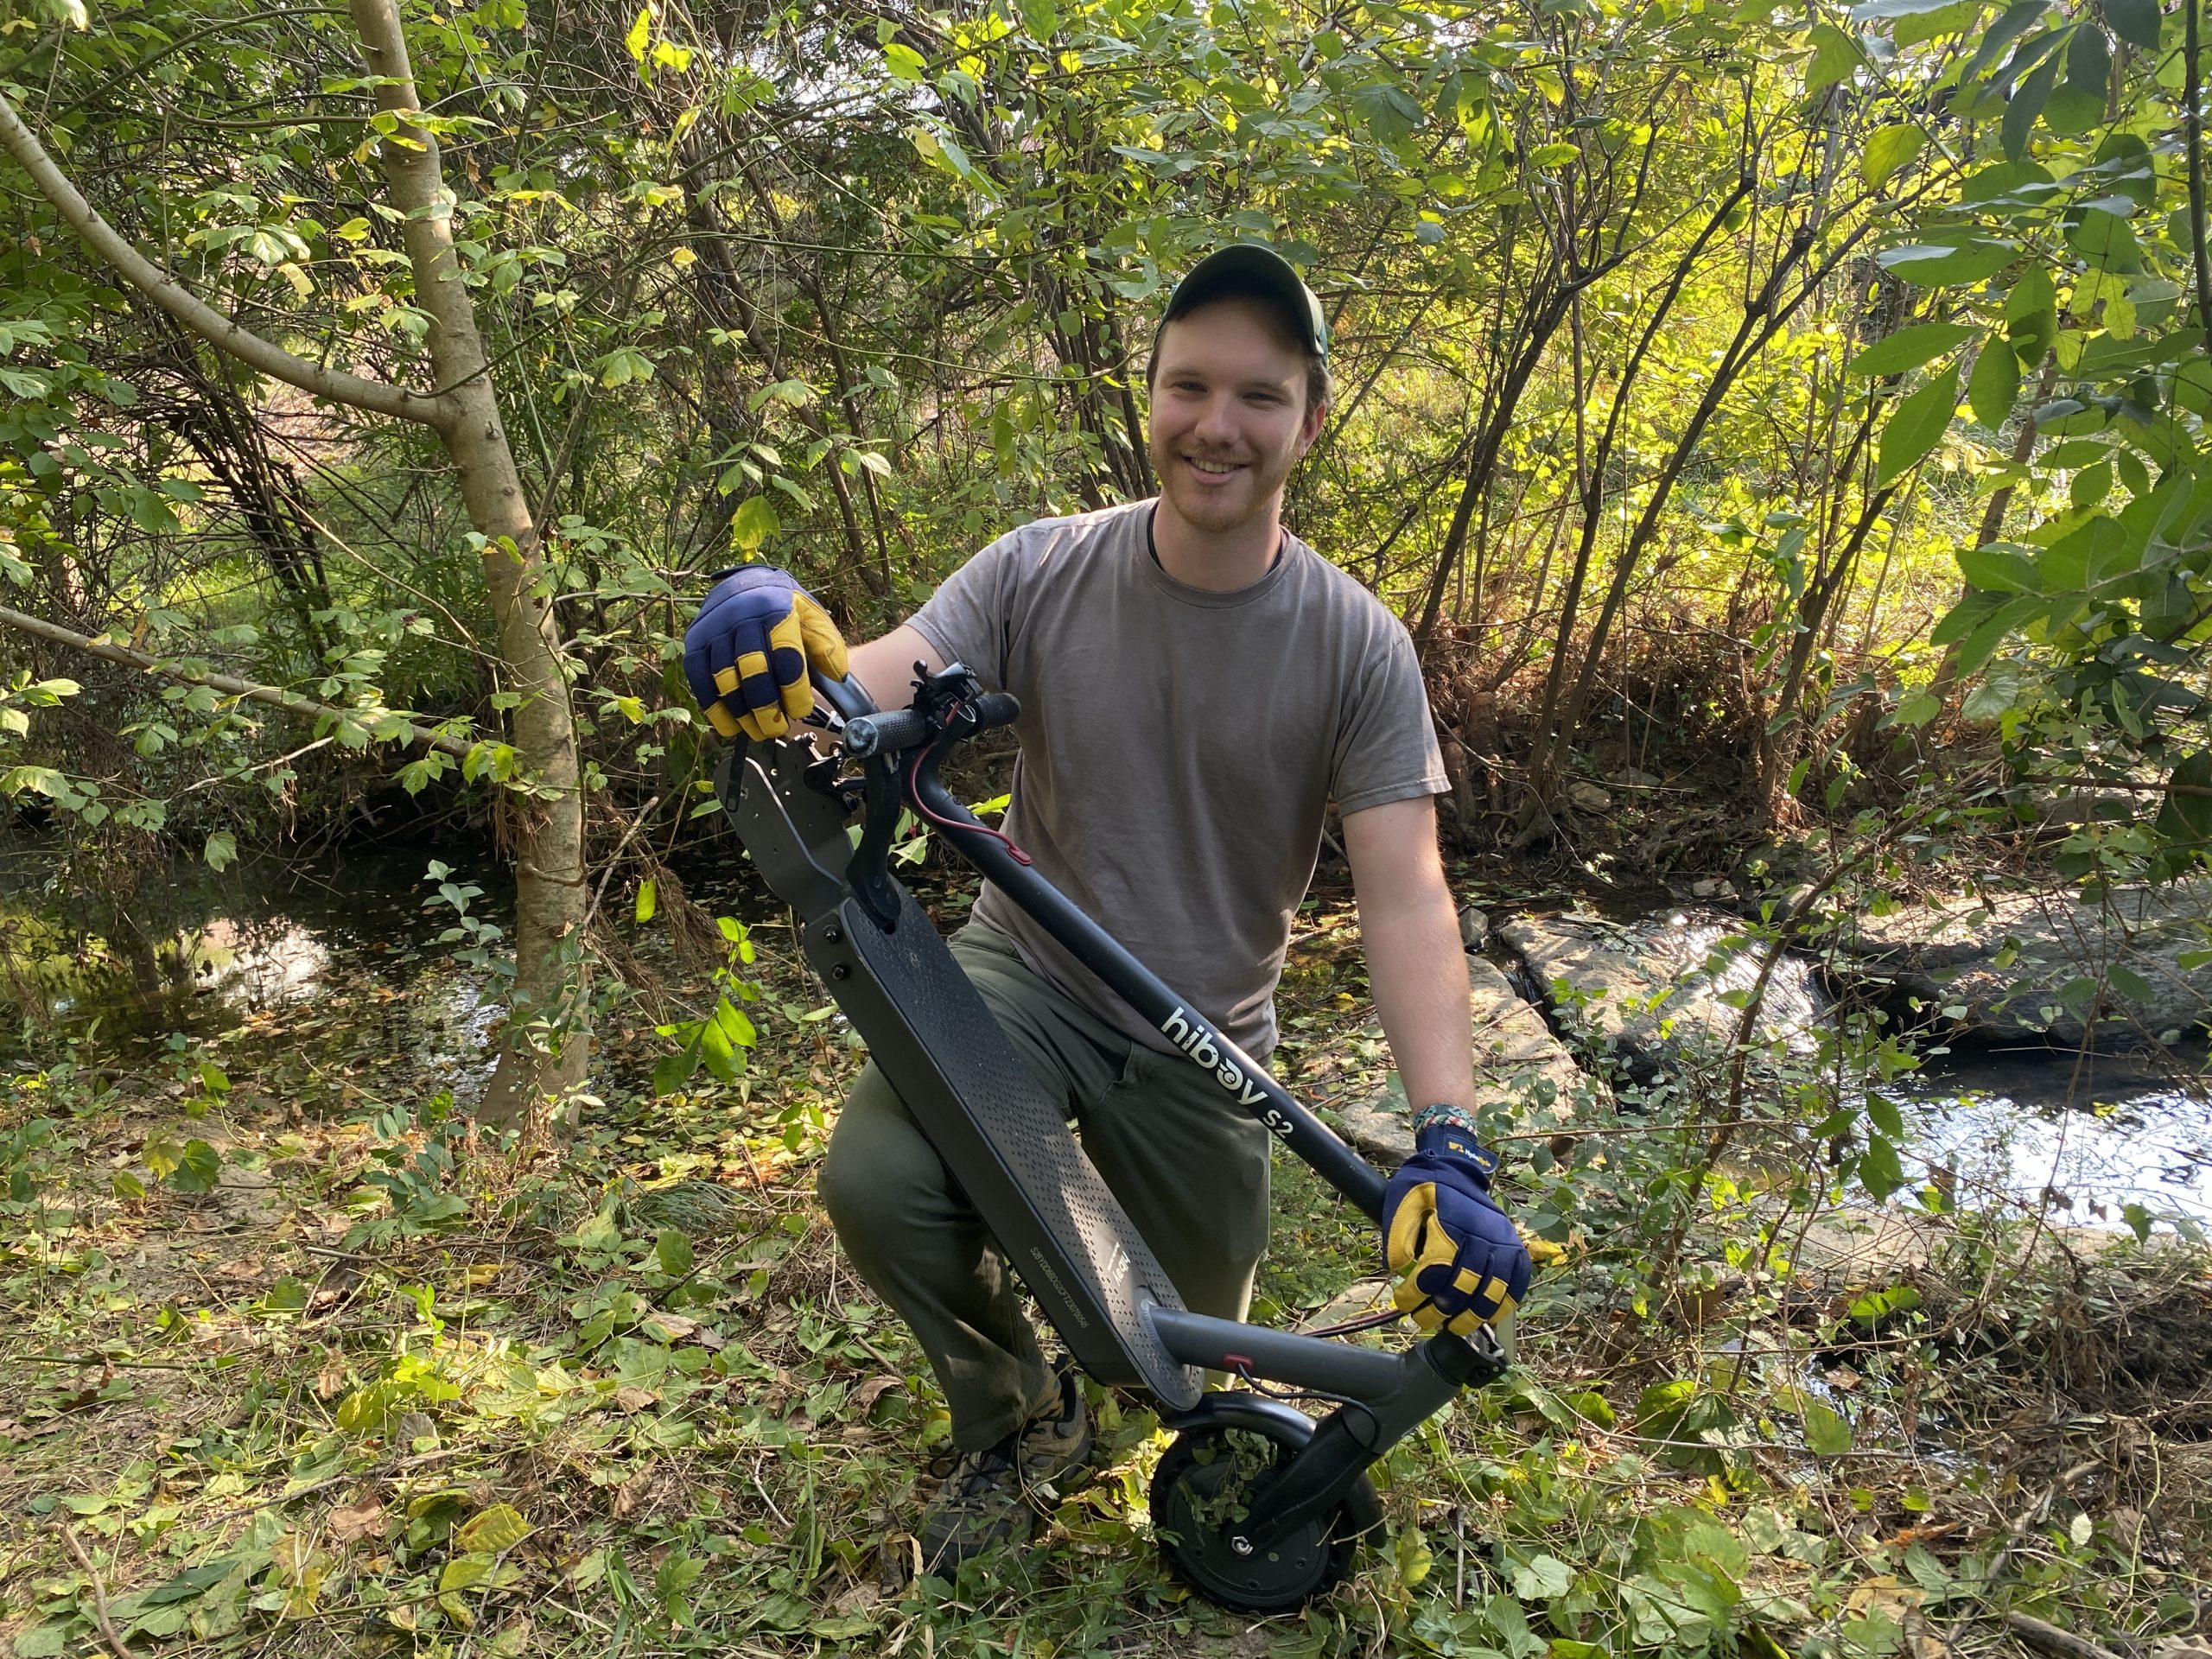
(1005, 1142)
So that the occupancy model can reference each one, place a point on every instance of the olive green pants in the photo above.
(1189, 1166)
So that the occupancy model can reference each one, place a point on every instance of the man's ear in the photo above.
(1310, 427)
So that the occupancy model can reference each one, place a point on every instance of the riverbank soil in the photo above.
(296, 1361)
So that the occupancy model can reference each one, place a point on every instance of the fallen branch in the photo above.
(99, 1597)
(290, 702)
(2049, 1638)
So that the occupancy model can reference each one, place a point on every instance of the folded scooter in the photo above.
(1255, 1505)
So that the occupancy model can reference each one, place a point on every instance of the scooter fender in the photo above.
(1272, 1417)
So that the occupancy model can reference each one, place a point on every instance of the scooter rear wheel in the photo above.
(1198, 1502)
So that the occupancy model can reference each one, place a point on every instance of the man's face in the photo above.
(1228, 414)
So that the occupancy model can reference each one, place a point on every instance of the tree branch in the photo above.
(290, 702)
(223, 333)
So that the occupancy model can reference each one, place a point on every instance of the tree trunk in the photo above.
(546, 1045)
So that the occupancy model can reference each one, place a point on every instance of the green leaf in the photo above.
(1932, 25)
(1994, 386)
(648, 894)
(2012, 23)
(2088, 63)
(1909, 348)
(641, 32)
(1875, 10)
(752, 524)
(905, 63)
(1889, 152)
(499, 1528)
(1943, 264)
(673, 1251)
(1835, 57)
(1879, 1172)
(2135, 21)
(2129, 983)
(1998, 567)
(1981, 644)
(1916, 427)
(199, 1170)
(2187, 816)
(221, 851)
(2025, 104)
(1542, 1578)
(1828, 1431)
(2107, 241)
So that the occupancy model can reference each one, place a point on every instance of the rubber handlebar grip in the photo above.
(894, 731)
(996, 708)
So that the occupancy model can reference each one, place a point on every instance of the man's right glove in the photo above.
(1464, 1265)
(747, 653)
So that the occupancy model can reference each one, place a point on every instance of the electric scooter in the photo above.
(1255, 1506)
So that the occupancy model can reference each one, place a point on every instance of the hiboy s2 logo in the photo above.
(1192, 1035)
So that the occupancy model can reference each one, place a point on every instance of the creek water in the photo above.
(2083, 1137)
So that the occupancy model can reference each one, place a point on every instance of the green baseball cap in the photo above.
(1248, 268)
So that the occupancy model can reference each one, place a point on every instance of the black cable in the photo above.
(1375, 1423)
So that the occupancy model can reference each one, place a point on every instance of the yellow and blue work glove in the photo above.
(1464, 1263)
(747, 652)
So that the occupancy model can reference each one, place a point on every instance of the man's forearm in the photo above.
(1417, 969)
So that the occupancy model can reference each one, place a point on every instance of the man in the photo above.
(1197, 686)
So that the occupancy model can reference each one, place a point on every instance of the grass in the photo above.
(296, 1364)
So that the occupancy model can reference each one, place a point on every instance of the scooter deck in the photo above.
(1005, 1141)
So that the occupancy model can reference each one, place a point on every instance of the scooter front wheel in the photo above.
(1199, 1512)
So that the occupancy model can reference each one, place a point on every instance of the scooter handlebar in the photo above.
(897, 730)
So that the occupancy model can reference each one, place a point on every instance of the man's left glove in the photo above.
(747, 652)
(1464, 1265)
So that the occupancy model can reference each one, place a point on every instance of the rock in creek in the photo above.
(1654, 990)
(1516, 1057)
(2049, 964)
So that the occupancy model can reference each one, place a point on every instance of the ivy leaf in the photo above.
(222, 850)
(1916, 427)
(1909, 348)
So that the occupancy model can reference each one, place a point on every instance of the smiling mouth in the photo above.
(1212, 468)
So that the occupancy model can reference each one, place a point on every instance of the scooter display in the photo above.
(1255, 1505)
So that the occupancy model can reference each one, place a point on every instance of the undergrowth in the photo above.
(298, 1360)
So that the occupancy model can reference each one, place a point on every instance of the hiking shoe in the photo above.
(1057, 1436)
(992, 1496)
(979, 1503)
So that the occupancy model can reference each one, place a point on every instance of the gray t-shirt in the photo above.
(1180, 747)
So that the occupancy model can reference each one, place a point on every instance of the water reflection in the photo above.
(2087, 1135)
(197, 951)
